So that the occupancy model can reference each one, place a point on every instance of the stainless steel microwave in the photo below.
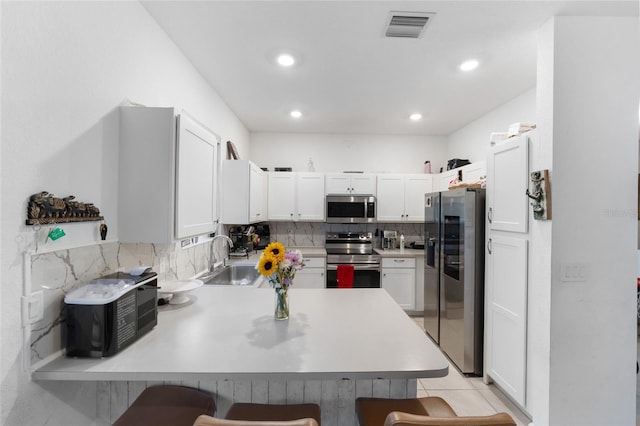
(351, 208)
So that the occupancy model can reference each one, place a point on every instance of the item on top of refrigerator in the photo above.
(516, 128)
(454, 163)
(496, 137)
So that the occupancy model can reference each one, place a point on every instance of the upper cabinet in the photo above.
(401, 197)
(167, 176)
(296, 197)
(243, 193)
(350, 183)
(508, 172)
(471, 173)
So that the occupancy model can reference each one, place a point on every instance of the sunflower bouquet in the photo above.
(280, 266)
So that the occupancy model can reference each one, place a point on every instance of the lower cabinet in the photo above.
(399, 280)
(313, 275)
(506, 314)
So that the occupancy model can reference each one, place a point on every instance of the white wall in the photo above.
(65, 69)
(590, 124)
(471, 141)
(337, 153)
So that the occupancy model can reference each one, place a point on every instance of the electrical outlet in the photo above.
(163, 265)
(32, 307)
(574, 272)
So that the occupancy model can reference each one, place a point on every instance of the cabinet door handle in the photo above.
(489, 246)
(399, 260)
(490, 215)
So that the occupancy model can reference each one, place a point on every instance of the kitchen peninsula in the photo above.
(336, 346)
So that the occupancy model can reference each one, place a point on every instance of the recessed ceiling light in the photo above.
(286, 60)
(469, 65)
(295, 113)
(415, 116)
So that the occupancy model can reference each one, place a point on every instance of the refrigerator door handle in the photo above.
(489, 245)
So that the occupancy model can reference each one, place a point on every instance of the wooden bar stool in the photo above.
(168, 405)
(427, 411)
(249, 414)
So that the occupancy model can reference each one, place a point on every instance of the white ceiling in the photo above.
(350, 78)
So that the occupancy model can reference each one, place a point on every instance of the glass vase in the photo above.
(282, 304)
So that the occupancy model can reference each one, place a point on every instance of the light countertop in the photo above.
(230, 333)
(408, 252)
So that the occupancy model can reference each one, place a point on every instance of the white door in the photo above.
(257, 195)
(282, 191)
(310, 278)
(337, 183)
(364, 184)
(506, 305)
(507, 182)
(390, 198)
(400, 283)
(415, 186)
(196, 193)
(310, 200)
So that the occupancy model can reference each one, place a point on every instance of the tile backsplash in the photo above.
(312, 234)
(57, 273)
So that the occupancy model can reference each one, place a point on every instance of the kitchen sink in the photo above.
(242, 275)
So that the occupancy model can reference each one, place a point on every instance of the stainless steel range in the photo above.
(356, 249)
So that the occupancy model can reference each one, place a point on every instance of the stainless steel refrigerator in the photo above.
(454, 275)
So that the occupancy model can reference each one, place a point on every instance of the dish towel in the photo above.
(344, 276)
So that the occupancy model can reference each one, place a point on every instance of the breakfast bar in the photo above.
(337, 345)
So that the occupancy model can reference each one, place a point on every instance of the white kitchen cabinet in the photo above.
(506, 314)
(296, 196)
(244, 193)
(472, 173)
(441, 180)
(167, 176)
(401, 197)
(508, 172)
(350, 183)
(313, 275)
(506, 262)
(399, 280)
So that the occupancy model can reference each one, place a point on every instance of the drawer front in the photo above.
(314, 262)
(398, 262)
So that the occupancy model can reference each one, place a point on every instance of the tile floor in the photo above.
(469, 395)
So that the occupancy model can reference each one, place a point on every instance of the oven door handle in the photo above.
(356, 267)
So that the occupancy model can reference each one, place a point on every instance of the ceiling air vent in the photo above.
(407, 24)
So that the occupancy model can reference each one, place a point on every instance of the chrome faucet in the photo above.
(212, 259)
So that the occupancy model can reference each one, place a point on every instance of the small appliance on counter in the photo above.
(247, 238)
(389, 239)
(418, 245)
(243, 238)
(109, 313)
(263, 236)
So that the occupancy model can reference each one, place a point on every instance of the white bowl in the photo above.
(179, 289)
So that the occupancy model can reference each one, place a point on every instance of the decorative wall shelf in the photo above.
(43, 208)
